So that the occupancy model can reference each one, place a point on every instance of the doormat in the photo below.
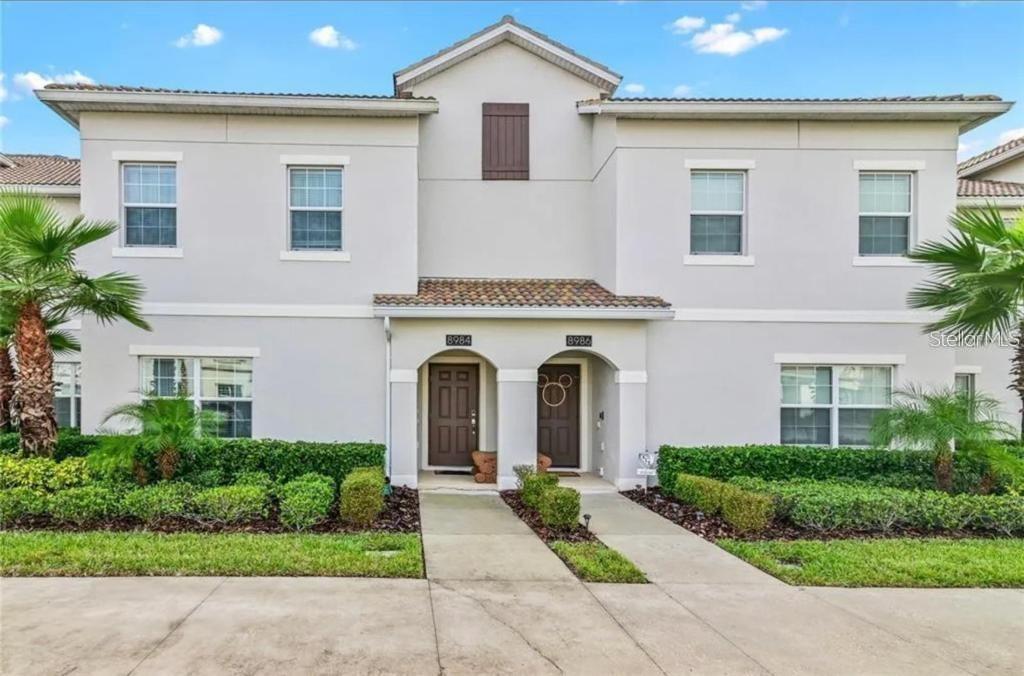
(453, 472)
(563, 473)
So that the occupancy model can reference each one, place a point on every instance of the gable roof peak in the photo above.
(509, 30)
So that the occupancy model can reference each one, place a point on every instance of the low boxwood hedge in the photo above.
(306, 501)
(70, 444)
(779, 463)
(559, 507)
(746, 511)
(42, 475)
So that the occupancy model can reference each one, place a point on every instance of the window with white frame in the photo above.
(149, 197)
(224, 387)
(67, 394)
(963, 383)
(832, 405)
(717, 207)
(315, 208)
(886, 211)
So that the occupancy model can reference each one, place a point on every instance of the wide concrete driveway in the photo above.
(498, 601)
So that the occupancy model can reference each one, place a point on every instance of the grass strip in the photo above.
(596, 562)
(40, 553)
(902, 562)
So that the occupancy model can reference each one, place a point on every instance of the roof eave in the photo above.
(1004, 202)
(992, 162)
(50, 189)
(69, 103)
(501, 312)
(969, 114)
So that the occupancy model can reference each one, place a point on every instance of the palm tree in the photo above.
(60, 341)
(978, 282)
(167, 428)
(944, 420)
(39, 278)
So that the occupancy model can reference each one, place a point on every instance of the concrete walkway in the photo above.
(498, 601)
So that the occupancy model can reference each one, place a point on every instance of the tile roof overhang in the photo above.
(993, 157)
(967, 111)
(510, 30)
(518, 298)
(70, 100)
(47, 174)
(981, 193)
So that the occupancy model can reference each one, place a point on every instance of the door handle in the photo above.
(472, 420)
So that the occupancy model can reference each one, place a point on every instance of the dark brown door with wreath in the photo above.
(454, 407)
(558, 413)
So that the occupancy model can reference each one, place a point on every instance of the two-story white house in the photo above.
(503, 256)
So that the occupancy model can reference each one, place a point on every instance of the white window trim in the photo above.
(147, 251)
(834, 406)
(191, 351)
(889, 165)
(197, 398)
(725, 260)
(155, 156)
(318, 255)
(965, 368)
(824, 359)
(726, 164)
(744, 225)
(74, 360)
(909, 215)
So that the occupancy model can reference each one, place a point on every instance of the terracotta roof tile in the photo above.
(516, 293)
(989, 154)
(38, 170)
(968, 188)
(159, 90)
(876, 99)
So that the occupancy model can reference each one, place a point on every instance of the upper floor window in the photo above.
(315, 208)
(149, 196)
(224, 387)
(886, 209)
(506, 141)
(832, 405)
(67, 394)
(717, 207)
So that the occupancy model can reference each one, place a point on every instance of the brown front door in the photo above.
(558, 414)
(453, 413)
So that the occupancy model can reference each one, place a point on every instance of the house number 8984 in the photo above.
(458, 340)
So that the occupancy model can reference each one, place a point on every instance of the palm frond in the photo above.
(114, 295)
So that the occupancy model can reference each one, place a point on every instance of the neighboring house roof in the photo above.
(968, 111)
(442, 295)
(69, 100)
(39, 171)
(991, 158)
(966, 187)
(510, 30)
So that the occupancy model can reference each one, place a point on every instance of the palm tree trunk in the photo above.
(944, 469)
(6, 389)
(38, 422)
(1017, 371)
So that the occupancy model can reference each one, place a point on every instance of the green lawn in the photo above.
(595, 562)
(888, 563)
(102, 553)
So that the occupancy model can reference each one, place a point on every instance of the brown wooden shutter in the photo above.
(506, 141)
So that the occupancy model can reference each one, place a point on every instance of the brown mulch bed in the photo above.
(532, 518)
(401, 515)
(711, 527)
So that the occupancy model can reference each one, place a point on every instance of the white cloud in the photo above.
(328, 36)
(687, 24)
(734, 17)
(635, 88)
(31, 80)
(203, 35)
(723, 38)
(965, 149)
(3, 90)
(754, 5)
(3, 121)
(1010, 134)
(682, 90)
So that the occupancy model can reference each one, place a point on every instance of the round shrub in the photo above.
(745, 511)
(362, 496)
(158, 501)
(534, 486)
(84, 505)
(306, 500)
(18, 503)
(559, 507)
(231, 504)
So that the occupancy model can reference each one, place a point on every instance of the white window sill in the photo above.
(730, 261)
(320, 256)
(884, 262)
(147, 252)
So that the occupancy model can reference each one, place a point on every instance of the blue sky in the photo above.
(695, 48)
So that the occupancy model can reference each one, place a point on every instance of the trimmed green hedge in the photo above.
(70, 444)
(559, 507)
(746, 511)
(780, 463)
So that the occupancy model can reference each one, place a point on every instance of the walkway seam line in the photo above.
(177, 626)
(623, 628)
(433, 621)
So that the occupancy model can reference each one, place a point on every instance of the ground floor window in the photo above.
(67, 394)
(964, 383)
(832, 405)
(219, 384)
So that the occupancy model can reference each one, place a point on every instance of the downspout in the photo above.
(387, 396)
